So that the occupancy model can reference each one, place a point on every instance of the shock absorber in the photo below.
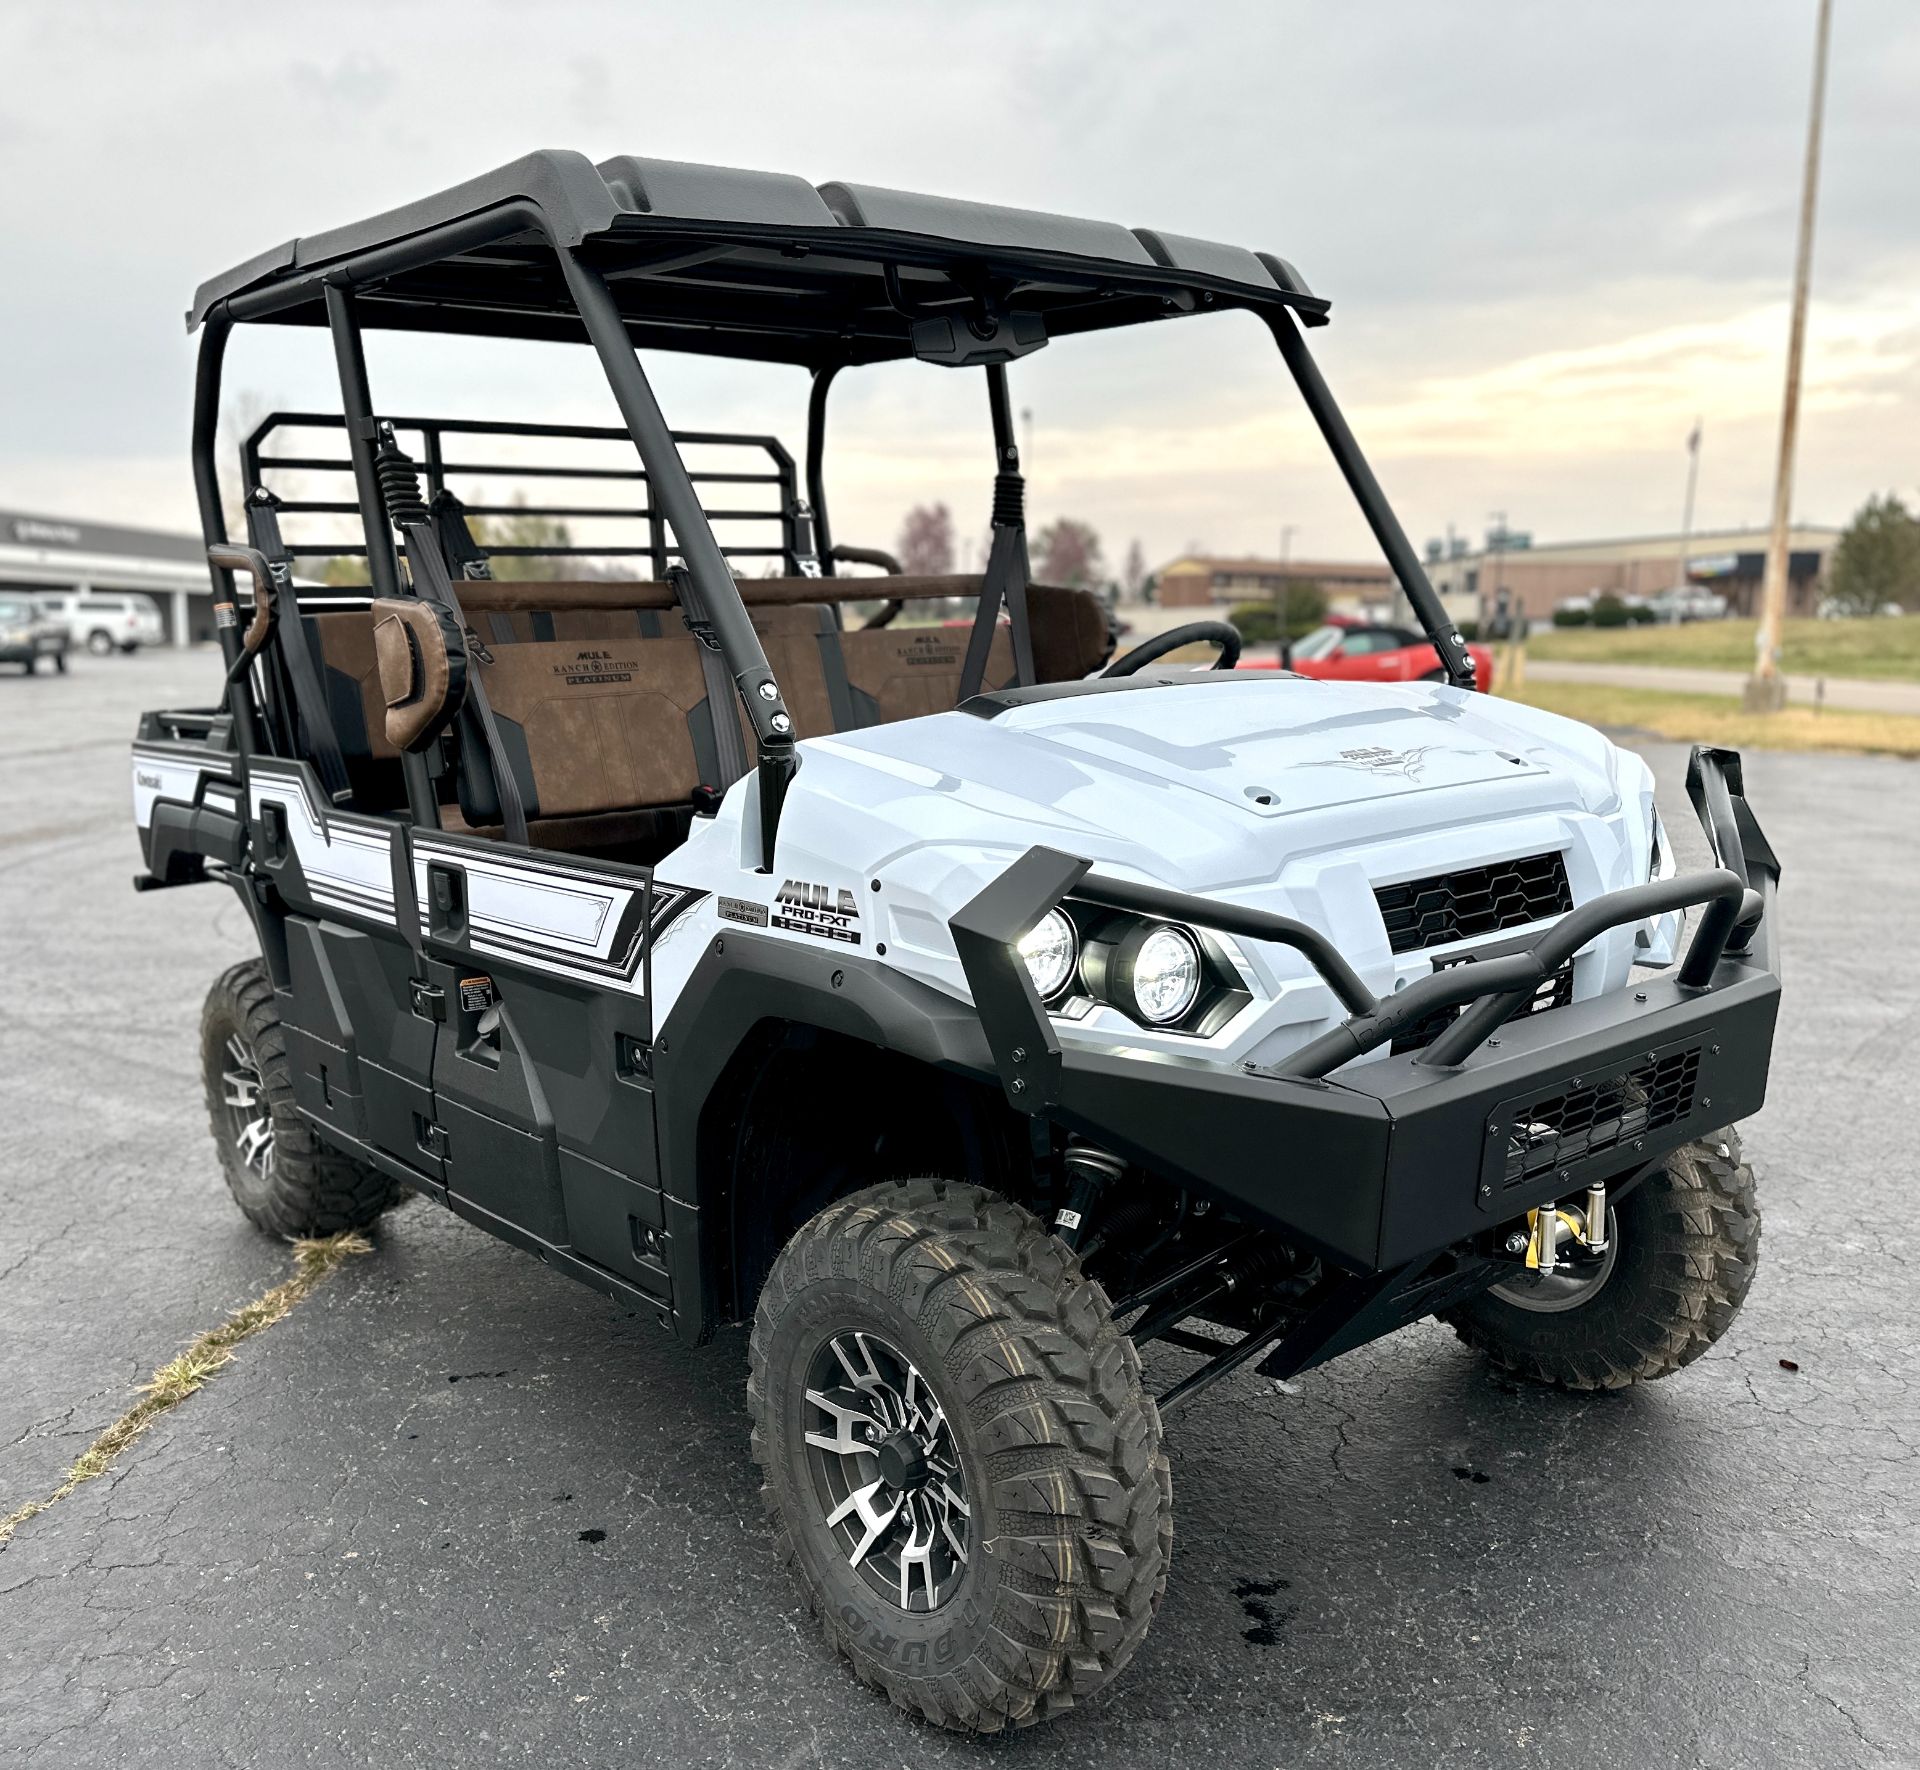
(1089, 1168)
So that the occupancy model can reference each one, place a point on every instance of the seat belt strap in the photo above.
(729, 745)
(465, 558)
(316, 736)
(1005, 582)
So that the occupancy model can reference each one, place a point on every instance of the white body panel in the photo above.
(1283, 795)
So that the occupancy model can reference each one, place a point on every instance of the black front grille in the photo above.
(1555, 991)
(1476, 900)
(1591, 1118)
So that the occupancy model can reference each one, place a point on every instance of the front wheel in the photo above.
(1682, 1251)
(100, 644)
(961, 1466)
(284, 1179)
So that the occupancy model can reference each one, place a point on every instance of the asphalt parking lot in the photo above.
(457, 1510)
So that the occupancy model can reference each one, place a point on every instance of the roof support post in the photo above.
(206, 431)
(383, 566)
(816, 456)
(1371, 499)
(671, 492)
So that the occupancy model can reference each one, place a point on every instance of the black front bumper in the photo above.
(1387, 1161)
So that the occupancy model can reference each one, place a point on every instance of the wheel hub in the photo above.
(886, 1471)
(903, 1462)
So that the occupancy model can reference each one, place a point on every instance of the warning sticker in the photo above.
(476, 994)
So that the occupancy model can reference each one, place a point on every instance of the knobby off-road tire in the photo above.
(1687, 1242)
(284, 1179)
(1057, 1450)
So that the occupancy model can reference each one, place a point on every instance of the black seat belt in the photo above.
(407, 510)
(729, 746)
(465, 558)
(1006, 581)
(316, 735)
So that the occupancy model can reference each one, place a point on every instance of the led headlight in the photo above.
(1049, 948)
(1157, 973)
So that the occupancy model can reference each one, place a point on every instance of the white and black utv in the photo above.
(958, 1008)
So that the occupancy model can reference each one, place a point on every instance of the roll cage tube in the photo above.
(1454, 656)
(725, 610)
(987, 930)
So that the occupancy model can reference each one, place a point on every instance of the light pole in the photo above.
(1686, 513)
(1766, 688)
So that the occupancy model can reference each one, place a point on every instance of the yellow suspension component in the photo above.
(1537, 1221)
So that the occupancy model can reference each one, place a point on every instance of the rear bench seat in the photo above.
(602, 704)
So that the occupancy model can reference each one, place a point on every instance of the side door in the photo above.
(361, 1045)
(542, 1077)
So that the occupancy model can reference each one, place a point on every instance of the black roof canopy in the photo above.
(735, 263)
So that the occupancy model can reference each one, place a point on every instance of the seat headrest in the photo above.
(421, 655)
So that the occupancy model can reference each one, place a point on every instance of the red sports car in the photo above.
(1374, 654)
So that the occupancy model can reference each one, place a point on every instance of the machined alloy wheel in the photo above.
(886, 1472)
(100, 643)
(249, 1122)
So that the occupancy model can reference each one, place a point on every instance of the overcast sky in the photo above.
(1553, 236)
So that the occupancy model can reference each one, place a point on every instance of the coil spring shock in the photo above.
(399, 482)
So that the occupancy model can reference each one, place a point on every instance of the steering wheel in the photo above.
(1220, 633)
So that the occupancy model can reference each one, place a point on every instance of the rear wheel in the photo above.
(1681, 1255)
(961, 1466)
(282, 1177)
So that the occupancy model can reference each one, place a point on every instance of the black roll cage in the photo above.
(339, 287)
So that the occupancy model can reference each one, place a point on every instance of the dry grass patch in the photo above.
(1717, 719)
(179, 1377)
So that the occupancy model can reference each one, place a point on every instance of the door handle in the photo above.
(446, 900)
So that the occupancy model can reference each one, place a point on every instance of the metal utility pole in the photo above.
(1684, 579)
(1766, 688)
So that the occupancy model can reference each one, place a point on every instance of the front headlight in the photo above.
(1050, 948)
(1156, 973)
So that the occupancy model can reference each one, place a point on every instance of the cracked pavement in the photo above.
(377, 1537)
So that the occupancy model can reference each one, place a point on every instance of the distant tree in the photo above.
(1069, 553)
(1305, 608)
(1133, 575)
(925, 546)
(522, 529)
(1878, 559)
(1610, 611)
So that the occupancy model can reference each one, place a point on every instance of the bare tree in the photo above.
(1133, 575)
(926, 541)
(1070, 554)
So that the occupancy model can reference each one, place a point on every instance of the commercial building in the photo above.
(1201, 581)
(1537, 578)
(56, 553)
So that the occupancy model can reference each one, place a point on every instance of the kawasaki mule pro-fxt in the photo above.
(961, 1009)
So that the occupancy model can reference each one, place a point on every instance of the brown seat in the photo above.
(602, 705)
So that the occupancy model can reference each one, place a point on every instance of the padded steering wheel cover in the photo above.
(1221, 633)
(421, 654)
